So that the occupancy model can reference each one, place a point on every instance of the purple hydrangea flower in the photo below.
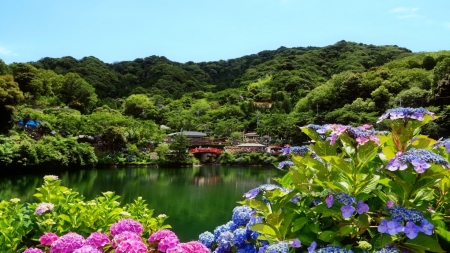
(190, 247)
(33, 250)
(67, 243)
(44, 207)
(48, 238)
(126, 225)
(395, 164)
(426, 227)
(134, 246)
(88, 249)
(97, 239)
(389, 205)
(161, 234)
(329, 200)
(390, 227)
(295, 243)
(127, 235)
(252, 193)
(411, 230)
(405, 113)
(312, 247)
(362, 207)
(347, 211)
(420, 166)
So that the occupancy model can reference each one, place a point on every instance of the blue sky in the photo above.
(211, 30)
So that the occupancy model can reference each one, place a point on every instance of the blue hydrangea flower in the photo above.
(419, 158)
(329, 200)
(411, 230)
(388, 249)
(240, 236)
(362, 207)
(280, 247)
(253, 220)
(345, 199)
(206, 238)
(390, 227)
(301, 151)
(295, 243)
(426, 227)
(247, 248)
(332, 249)
(347, 211)
(287, 164)
(405, 113)
(443, 142)
(401, 214)
(312, 247)
(241, 215)
(225, 241)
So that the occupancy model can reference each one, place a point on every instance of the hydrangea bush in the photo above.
(355, 189)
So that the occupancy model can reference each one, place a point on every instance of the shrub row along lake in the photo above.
(196, 199)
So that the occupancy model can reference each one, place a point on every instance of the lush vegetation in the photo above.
(124, 103)
(355, 189)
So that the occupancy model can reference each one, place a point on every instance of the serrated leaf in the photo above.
(425, 242)
(299, 223)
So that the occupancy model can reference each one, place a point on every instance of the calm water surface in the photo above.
(196, 199)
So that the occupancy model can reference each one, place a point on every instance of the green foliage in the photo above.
(22, 224)
(363, 171)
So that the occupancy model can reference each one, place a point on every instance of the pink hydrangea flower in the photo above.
(88, 249)
(127, 235)
(126, 225)
(166, 239)
(131, 246)
(189, 247)
(168, 243)
(67, 243)
(160, 234)
(44, 207)
(33, 250)
(48, 238)
(97, 239)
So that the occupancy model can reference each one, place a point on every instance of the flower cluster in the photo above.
(166, 240)
(327, 249)
(301, 151)
(126, 225)
(287, 164)
(189, 247)
(48, 238)
(97, 239)
(348, 209)
(67, 243)
(443, 142)
(408, 221)
(405, 113)
(361, 134)
(419, 158)
(388, 249)
(33, 250)
(236, 235)
(44, 207)
(265, 187)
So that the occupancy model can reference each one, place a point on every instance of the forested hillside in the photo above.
(271, 92)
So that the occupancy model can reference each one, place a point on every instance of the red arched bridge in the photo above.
(206, 155)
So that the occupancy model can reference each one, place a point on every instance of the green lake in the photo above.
(196, 199)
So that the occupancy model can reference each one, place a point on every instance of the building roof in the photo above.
(251, 145)
(189, 134)
(251, 134)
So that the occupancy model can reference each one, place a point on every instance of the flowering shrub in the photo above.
(355, 189)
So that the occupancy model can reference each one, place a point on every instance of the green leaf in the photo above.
(367, 185)
(256, 204)
(381, 240)
(299, 223)
(425, 242)
(65, 217)
(443, 233)
(327, 236)
(265, 229)
(311, 133)
(423, 142)
(345, 230)
(323, 148)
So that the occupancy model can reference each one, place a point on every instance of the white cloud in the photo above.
(399, 9)
(405, 12)
(5, 51)
(407, 16)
